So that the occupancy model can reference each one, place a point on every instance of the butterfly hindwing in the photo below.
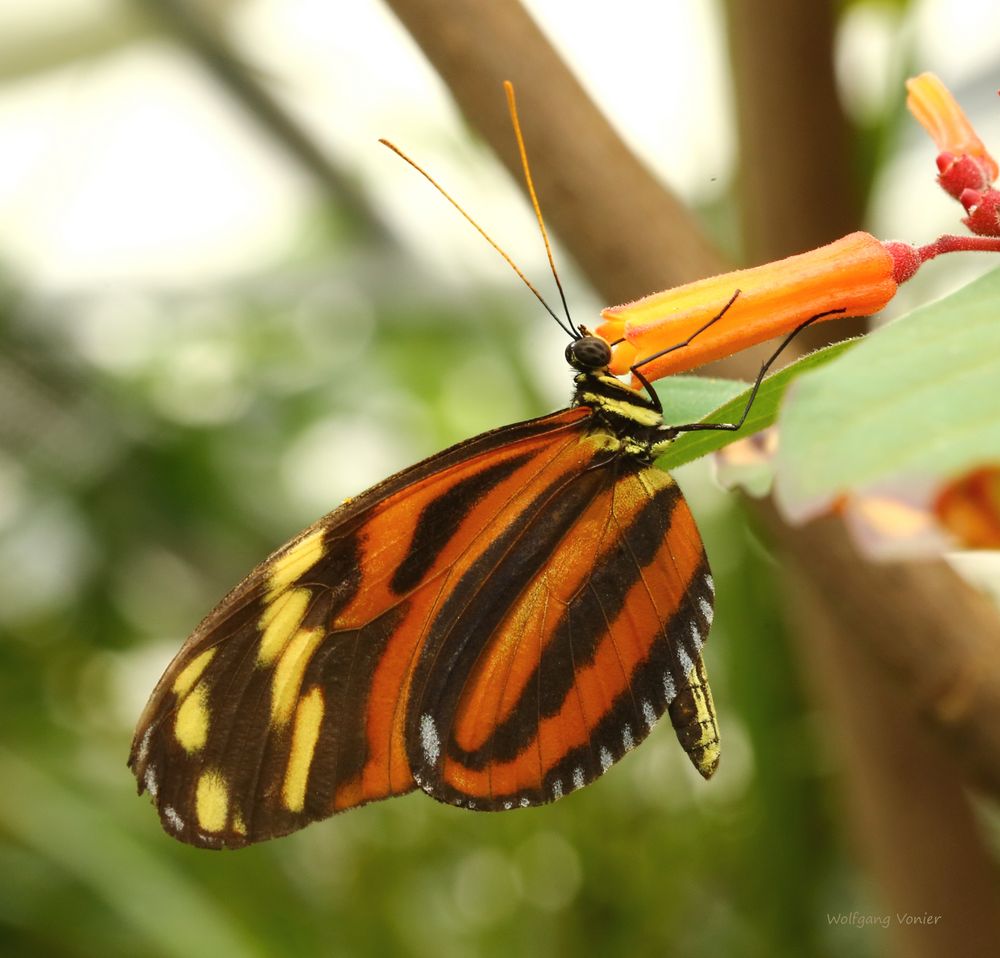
(584, 626)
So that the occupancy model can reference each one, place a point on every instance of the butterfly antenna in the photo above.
(512, 106)
(486, 236)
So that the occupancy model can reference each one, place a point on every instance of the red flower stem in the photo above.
(908, 259)
(958, 244)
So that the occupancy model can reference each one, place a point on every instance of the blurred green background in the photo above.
(201, 351)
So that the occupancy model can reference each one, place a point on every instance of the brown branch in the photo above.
(796, 187)
(912, 824)
(933, 632)
(795, 178)
(571, 144)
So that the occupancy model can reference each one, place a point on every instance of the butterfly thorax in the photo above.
(630, 420)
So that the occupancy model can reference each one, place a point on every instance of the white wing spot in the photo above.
(429, 740)
(578, 777)
(649, 713)
(710, 582)
(696, 637)
(508, 805)
(557, 791)
(144, 744)
(706, 610)
(685, 660)
(627, 741)
(149, 781)
(669, 689)
(524, 803)
(606, 759)
(174, 820)
(470, 804)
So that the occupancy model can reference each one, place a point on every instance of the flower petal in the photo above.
(937, 111)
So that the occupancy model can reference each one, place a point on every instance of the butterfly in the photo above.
(496, 625)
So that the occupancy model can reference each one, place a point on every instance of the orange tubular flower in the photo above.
(856, 274)
(931, 102)
(965, 168)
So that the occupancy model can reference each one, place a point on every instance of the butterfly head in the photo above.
(622, 409)
(588, 354)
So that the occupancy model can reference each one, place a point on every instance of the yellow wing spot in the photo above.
(211, 802)
(191, 721)
(308, 717)
(289, 671)
(281, 619)
(238, 825)
(300, 558)
(192, 672)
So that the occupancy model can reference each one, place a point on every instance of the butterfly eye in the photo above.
(588, 353)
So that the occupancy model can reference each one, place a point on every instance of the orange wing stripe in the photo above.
(386, 711)
(655, 596)
(505, 668)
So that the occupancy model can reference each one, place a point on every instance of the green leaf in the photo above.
(918, 397)
(691, 398)
(694, 445)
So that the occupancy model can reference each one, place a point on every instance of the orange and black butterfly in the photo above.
(496, 625)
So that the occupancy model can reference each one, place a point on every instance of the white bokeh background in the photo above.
(121, 165)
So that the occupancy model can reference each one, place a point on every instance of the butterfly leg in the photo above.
(734, 426)
(663, 352)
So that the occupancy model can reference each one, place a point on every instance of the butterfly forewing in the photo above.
(289, 701)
